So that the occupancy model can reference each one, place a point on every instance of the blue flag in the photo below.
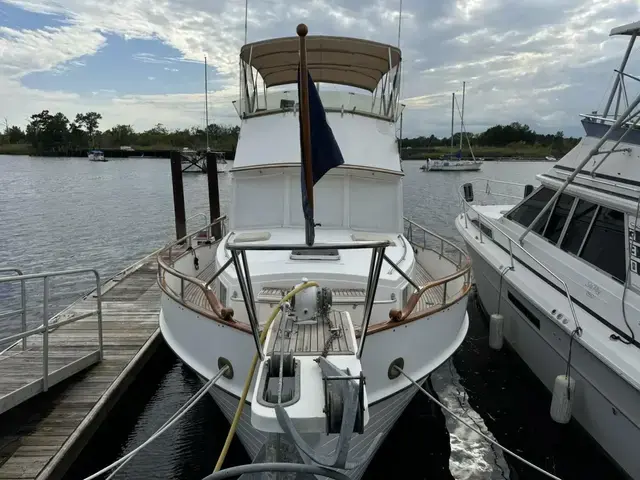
(325, 153)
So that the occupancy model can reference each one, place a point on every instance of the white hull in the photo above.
(383, 416)
(452, 166)
(425, 345)
(604, 403)
(96, 157)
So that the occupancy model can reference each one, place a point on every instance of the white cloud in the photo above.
(540, 62)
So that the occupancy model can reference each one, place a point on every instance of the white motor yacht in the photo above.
(560, 269)
(313, 335)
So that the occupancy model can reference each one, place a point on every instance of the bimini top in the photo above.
(628, 29)
(340, 60)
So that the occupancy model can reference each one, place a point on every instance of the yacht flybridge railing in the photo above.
(333, 61)
(483, 222)
(343, 102)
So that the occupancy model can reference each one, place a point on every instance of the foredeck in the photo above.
(421, 276)
(43, 441)
(332, 335)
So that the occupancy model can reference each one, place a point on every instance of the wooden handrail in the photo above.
(218, 310)
(397, 316)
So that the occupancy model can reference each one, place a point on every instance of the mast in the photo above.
(246, 19)
(206, 103)
(462, 116)
(453, 102)
(399, 23)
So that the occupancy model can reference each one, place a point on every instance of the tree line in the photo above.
(55, 133)
(513, 134)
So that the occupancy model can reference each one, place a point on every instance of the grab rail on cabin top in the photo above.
(494, 226)
(47, 326)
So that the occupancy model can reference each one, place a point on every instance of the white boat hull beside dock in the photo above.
(605, 404)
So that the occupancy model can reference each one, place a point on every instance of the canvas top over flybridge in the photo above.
(352, 62)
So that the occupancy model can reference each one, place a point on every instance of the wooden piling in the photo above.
(214, 193)
(178, 195)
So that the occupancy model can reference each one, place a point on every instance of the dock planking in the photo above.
(42, 437)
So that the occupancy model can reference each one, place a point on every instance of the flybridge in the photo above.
(339, 61)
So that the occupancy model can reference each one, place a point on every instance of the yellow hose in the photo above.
(247, 383)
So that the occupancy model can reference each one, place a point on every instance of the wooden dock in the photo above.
(42, 438)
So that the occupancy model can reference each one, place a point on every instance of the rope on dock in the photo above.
(174, 418)
(488, 439)
(276, 467)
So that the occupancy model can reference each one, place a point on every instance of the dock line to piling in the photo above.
(168, 424)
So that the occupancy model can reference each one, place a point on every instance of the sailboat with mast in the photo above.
(453, 161)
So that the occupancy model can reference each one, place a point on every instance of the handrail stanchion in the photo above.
(377, 255)
(45, 337)
(242, 280)
(511, 254)
(23, 300)
(99, 308)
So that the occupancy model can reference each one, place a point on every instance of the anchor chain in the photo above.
(334, 334)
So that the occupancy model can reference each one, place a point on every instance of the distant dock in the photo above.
(49, 441)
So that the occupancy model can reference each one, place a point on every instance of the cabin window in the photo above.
(558, 217)
(605, 244)
(486, 230)
(528, 210)
(578, 226)
(524, 310)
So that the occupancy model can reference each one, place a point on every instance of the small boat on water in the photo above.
(453, 162)
(330, 312)
(96, 156)
(560, 269)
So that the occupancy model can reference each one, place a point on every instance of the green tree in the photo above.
(15, 135)
(89, 122)
(48, 132)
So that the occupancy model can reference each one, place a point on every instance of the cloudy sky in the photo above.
(139, 62)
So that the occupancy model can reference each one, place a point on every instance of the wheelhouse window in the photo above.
(528, 210)
(578, 226)
(605, 244)
(558, 217)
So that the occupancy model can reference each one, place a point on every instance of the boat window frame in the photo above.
(567, 221)
(558, 244)
(624, 239)
(568, 218)
(522, 202)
